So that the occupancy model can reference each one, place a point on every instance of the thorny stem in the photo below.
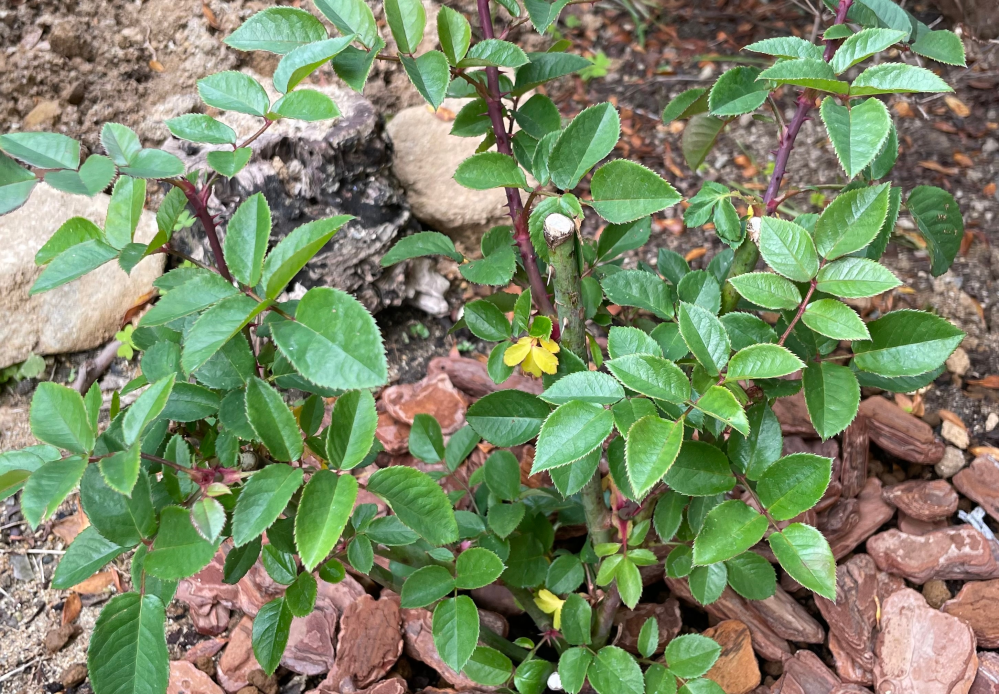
(200, 204)
(539, 288)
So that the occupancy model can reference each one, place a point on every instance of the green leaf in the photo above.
(767, 290)
(121, 469)
(705, 337)
(215, 327)
(507, 417)
(624, 191)
(565, 574)
(701, 686)
(754, 453)
(906, 343)
(577, 616)
(641, 289)
(94, 176)
(489, 667)
(691, 655)
(196, 294)
(942, 46)
(179, 550)
(855, 278)
(85, 556)
(419, 502)
(668, 514)
(352, 429)
(59, 417)
(246, 239)
(208, 518)
(122, 520)
(811, 73)
(49, 485)
(897, 78)
(323, 511)
(648, 637)
(614, 671)
(304, 60)
(456, 630)
(128, 649)
(794, 484)
(543, 13)
(851, 221)
(153, 163)
(16, 184)
(699, 138)
(629, 582)
(425, 439)
(477, 567)
(504, 518)
(538, 116)
(73, 263)
(351, 17)
(487, 321)
(834, 319)
(737, 92)
(788, 249)
(273, 421)
(686, 104)
(426, 586)
(585, 386)
(496, 269)
(700, 470)
(197, 127)
(545, 67)
(863, 45)
(570, 432)
(407, 20)
(333, 341)
(120, 142)
(301, 595)
(659, 680)
(235, 91)
(490, 170)
(263, 499)
(832, 396)
(805, 555)
(570, 478)
(762, 361)
(589, 138)
(307, 105)
(229, 163)
(651, 449)
(719, 402)
(786, 47)
(44, 150)
(146, 408)
(429, 73)
(420, 244)
(624, 340)
(502, 475)
(494, 53)
(939, 219)
(729, 529)
(271, 628)
(652, 376)
(857, 133)
(354, 65)
(616, 239)
(454, 33)
(751, 576)
(679, 561)
(277, 30)
(746, 330)
(572, 667)
(532, 675)
(239, 560)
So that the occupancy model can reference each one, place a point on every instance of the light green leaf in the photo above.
(538, 116)
(767, 290)
(624, 340)
(429, 73)
(788, 249)
(651, 449)
(544, 13)
(863, 45)
(569, 433)
(273, 421)
(215, 327)
(691, 655)
(197, 127)
(494, 53)
(855, 278)
(490, 170)
(585, 386)
(857, 133)
(246, 239)
(496, 269)
(811, 73)
(897, 78)
(572, 667)
(153, 163)
(351, 17)
(507, 417)
(128, 649)
(179, 550)
(86, 555)
(545, 67)
(271, 628)
(94, 176)
(72, 264)
(487, 321)
(425, 439)
(614, 671)
(236, 91)
(425, 586)
(323, 511)
(751, 576)
(834, 319)
(641, 289)
(352, 429)
(263, 499)
(49, 485)
(942, 46)
(700, 470)
(454, 33)
(686, 104)
(16, 184)
(307, 105)
(229, 163)
(832, 396)
(624, 191)
(121, 469)
(762, 361)
(419, 502)
(794, 484)
(44, 150)
(73, 231)
(805, 555)
(456, 630)
(719, 402)
(196, 294)
(652, 376)
(705, 337)
(589, 138)
(420, 244)
(737, 92)
(851, 221)
(938, 216)
(477, 567)
(407, 20)
(124, 211)
(59, 417)
(277, 30)
(786, 47)
(120, 142)
(304, 60)
(729, 529)
(146, 408)
(906, 343)
(489, 667)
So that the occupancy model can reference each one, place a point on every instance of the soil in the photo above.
(71, 66)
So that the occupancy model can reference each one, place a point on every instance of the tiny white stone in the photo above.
(955, 434)
(991, 421)
(958, 362)
(952, 461)
(555, 682)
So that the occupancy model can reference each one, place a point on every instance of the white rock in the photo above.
(991, 421)
(952, 461)
(957, 435)
(958, 362)
(80, 315)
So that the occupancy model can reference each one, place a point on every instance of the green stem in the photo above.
(491, 638)
(745, 260)
(597, 515)
(524, 598)
(605, 618)
(560, 233)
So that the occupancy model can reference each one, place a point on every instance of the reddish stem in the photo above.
(539, 288)
(199, 201)
(801, 310)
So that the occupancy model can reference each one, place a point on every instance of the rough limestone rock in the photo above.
(309, 171)
(426, 157)
(80, 315)
(977, 604)
(921, 650)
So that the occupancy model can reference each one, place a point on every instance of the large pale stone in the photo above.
(80, 315)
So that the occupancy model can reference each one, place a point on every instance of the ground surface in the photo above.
(70, 66)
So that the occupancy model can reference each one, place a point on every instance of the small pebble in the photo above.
(952, 461)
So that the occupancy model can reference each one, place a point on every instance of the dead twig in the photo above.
(92, 369)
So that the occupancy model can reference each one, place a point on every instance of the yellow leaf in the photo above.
(516, 353)
(545, 360)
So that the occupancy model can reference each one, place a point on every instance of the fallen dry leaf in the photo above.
(990, 381)
(957, 106)
(952, 418)
(989, 190)
(963, 160)
(97, 583)
(945, 127)
(966, 241)
(984, 450)
(904, 401)
(940, 168)
(210, 17)
(696, 253)
(444, 114)
(156, 65)
(69, 527)
(903, 109)
(71, 608)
